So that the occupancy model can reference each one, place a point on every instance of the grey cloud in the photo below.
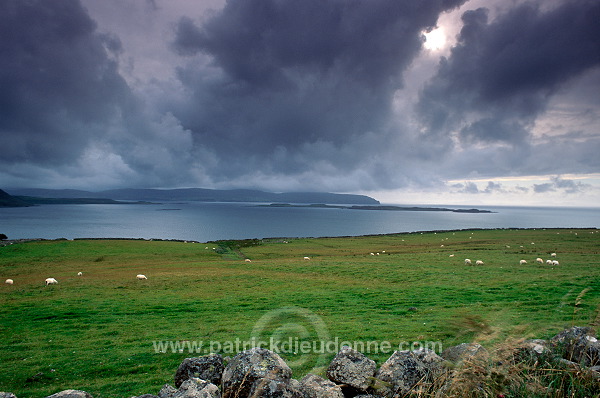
(468, 187)
(493, 187)
(298, 76)
(557, 183)
(542, 188)
(58, 83)
(500, 75)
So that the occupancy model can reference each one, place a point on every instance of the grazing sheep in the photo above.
(372, 254)
(452, 255)
(248, 260)
(552, 254)
(478, 262)
(9, 281)
(140, 276)
(51, 281)
(307, 258)
(555, 262)
(467, 261)
(539, 260)
(79, 273)
(549, 262)
(522, 262)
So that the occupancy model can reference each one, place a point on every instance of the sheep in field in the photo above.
(555, 262)
(552, 254)
(51, 281)
(141, 277)
(307, 258)
(248, 260)
(539, 260)
(80, 273)
(522, 262)
(9, 281)
(467, 261)
(478, 262)
(549, 262)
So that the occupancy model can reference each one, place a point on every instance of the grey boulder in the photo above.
(352, 368)
(197, 388)
(71, 394)
(405, 369)
(248, 366)
(209, 367)
(314, 386)
(269, 388)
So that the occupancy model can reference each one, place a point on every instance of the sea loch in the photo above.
(203, 222)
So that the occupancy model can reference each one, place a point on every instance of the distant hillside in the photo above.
(201, 194)
(7, 200)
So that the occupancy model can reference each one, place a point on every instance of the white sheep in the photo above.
(51, 281)
(248, 260)
(478, 262)
(467, 261)
(522, 262)
(9, 281)
(549, 262)
(552, 254)
(80, 273)
(539, 260)
(141, 277)
(307, 258)
(555, 262)
(452, 255)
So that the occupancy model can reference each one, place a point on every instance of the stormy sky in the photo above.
(412, 101)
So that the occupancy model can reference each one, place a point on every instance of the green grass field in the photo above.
(98, 332)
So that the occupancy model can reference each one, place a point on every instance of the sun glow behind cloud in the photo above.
(435, 40)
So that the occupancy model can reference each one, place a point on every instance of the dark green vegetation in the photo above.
(96, 332)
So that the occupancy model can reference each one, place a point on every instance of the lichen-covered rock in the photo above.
(465, 351)
(269, 388)
(404, 369)
(7, 395)
(314, 386)
(197, 388)
(573, 334)
(533, 350)
(209, 367)
(167, 391)
(352, 368)
(579, 344)
(147, 396)
(249, 366)
(71, 394)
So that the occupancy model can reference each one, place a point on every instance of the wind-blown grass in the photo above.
(96, 332)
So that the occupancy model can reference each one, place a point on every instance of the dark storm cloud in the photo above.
(557, 183)
(58, 81)
(296, 82)
(501, 74)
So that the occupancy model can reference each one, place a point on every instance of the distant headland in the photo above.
(33, 196)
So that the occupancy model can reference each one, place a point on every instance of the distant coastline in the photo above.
(384, 207)
(34, 196)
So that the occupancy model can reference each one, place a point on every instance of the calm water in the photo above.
(212, 221)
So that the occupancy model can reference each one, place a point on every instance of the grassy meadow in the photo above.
(98, 332)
